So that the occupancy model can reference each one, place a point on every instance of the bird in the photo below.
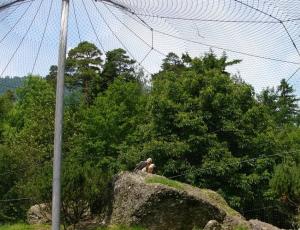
(143, 164)
(151, 168)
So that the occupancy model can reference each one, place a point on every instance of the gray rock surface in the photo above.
(259, 225)
(137, 200)
(233, 221)
(39, 214)
(213, 225)
(156, 203)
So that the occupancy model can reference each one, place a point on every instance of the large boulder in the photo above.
(39, 214)
(158, 203)
(259, 225)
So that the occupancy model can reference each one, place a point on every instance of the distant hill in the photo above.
(10, 83)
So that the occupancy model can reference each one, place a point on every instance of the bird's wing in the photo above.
(140, 165)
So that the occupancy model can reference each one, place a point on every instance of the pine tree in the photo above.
(287, 106)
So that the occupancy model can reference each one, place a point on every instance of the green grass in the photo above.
(213, 197)
(164, 181)
(24, 227)
(241, 228)
(121, 228)
(217, 199)
(44, 227)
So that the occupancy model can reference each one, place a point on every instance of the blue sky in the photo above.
(217, 27)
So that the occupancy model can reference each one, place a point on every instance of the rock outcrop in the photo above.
(259, 225)
(39, 214)
(213, 225)
(157, 203)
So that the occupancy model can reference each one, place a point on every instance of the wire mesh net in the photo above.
(264, 34)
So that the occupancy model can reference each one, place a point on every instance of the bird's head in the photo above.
(149, 161)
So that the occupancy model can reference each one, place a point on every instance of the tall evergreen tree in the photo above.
(117, 65)
(52, 75)
(269, 98)
(83, 67)
(172, 62)
(287, 103)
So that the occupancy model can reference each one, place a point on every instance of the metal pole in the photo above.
(56, 193)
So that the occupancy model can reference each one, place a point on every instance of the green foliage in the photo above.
(210, 62)
(10, 83)
(287, 103)
(51, 77)
(83, 68)
(10, 165)
(97, 137)
(283, 104)
(268, 97)
(6, 105)
(28, 140)
(172, 62)
(204, 124)
(286, 178)
(109, 125)
(117, 65)
(286, 185)
(195, 120)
